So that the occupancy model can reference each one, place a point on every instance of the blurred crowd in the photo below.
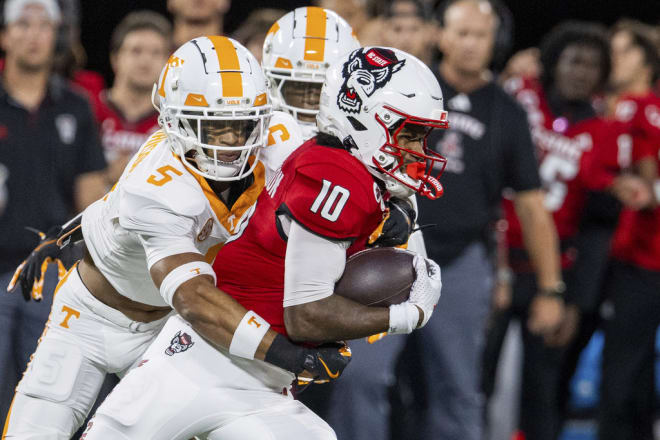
(550, 216)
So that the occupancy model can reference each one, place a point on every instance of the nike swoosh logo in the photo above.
(197, 98)
(331, 375)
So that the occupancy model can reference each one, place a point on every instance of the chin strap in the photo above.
(430, 186)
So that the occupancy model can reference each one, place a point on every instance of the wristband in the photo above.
(180, 275)
(556, 292)
(403, 318)
(248, 335)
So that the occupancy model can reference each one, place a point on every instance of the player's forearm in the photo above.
(540, 237)
(334, 318)
(647, 169)
(214, 314)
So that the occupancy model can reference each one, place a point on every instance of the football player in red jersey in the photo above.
(627, 388)
(377, 107)
(330, 196)
(569, 138)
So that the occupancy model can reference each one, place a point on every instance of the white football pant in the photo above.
(184, 387)
(84, 340)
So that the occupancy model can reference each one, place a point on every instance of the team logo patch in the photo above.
(365, 72)
(206, 230)
(66, 127)
(179, 343)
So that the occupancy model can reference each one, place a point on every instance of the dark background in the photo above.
(533, 18)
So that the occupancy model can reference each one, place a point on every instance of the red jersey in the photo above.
(120, 137)
(566, 166)
(324, 189)
(637, 238)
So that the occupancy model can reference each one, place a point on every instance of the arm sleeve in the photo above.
(158, 247)
(521, 164)
(90, 155)
(312, 266)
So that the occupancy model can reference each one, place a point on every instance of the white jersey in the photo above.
(160, 208)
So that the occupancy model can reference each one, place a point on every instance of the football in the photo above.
(378, 277)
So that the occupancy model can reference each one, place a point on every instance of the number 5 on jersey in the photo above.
(332, 203)
(163, 172)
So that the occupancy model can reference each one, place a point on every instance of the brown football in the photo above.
(377, 277)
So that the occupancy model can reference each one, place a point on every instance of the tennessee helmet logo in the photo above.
(179, 343)
(365, 72)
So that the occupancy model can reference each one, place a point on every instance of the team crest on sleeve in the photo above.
(179, 343)
(206, 230)
(366, 71)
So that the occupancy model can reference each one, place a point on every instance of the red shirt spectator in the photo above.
(637, 238)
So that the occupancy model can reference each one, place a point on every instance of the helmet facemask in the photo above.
(298, 97)
(218, 144)
(405, 169)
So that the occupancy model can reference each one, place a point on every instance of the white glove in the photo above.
(424, 293)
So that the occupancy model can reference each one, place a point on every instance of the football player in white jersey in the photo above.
(297, 51)
(150, 240)
(285, 262)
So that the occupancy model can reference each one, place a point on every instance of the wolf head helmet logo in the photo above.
(365, 72)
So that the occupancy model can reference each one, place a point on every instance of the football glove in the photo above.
(310, 365)
(375, 338)
(397, 226)
(424, 295)
(30, 274)
(324, 363)
(425, 291)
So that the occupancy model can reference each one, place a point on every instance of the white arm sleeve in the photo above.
(312, 266)
(157, 247)
(416, 240)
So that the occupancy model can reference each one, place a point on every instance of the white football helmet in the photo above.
(214, 107)
(368, 98)
(297, 51)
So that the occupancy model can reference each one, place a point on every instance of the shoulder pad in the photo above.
(162, 183)
(331, 199)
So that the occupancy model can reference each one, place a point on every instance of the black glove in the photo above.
(319, 365)
(30, 274)
(325, 362)
(395, 230)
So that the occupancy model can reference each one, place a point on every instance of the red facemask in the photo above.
(430, 165)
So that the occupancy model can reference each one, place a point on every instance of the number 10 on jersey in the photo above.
(332, 201)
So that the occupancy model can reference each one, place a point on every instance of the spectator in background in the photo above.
(409, 29)
(49, 145)
(252, 32)
(364, 16)
(568, 135)
(139, 48)
(70, 55)
(488, 147)
(194, 18)
(633, 283)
